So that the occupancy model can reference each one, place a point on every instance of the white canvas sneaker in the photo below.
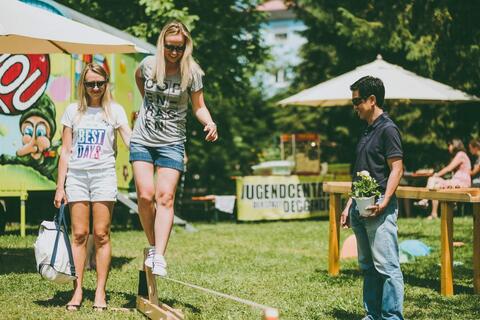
(159, 266)
(149, 260)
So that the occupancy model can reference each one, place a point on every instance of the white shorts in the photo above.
(91, 185)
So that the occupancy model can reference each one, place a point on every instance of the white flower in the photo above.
(363, 173)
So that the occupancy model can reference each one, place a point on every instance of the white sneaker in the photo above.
(159, 266)
(149, 260)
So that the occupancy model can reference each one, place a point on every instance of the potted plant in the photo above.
(364, 192)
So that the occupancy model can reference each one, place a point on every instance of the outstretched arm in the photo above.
(203, 115)
(456, 161)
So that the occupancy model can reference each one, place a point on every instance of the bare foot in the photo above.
(76, 301)
(100, 302)
(432, 217)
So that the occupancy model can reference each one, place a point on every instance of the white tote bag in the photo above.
(53, 252)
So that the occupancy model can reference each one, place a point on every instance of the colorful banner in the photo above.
(280, 197)
(34, 92)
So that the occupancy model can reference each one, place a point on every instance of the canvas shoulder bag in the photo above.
(53, 252)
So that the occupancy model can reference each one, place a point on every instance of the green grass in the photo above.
(281, 264)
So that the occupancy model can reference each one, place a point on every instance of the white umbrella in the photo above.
(27, 29)
(400, 84)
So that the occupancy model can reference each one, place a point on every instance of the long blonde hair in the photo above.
(188, 66)
(83, 98)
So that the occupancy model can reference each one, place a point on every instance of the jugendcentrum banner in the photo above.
(280, 197)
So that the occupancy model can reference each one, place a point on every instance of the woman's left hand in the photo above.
(211, 129)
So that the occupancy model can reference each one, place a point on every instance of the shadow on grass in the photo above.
(180, 305)
(345, 315)
(410, 276)
(424, 281)
(344, 274)
(118, 262)
(61, 298)
(22, 260)
(17, 260)
(14, 230)
(427, 306)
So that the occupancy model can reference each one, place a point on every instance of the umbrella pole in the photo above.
(59, 48)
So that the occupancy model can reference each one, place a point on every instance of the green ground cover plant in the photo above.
(281, 264)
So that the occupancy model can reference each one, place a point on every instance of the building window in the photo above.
(281, 36)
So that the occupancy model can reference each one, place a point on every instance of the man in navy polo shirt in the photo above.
(379, 151)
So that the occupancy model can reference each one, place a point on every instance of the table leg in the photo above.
(23, 199)
(334, 234)
(476, 248)
(446, 227)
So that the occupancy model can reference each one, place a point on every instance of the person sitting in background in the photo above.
(460, 165)
(474, 148)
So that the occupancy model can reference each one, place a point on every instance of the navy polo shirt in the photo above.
(380, 141)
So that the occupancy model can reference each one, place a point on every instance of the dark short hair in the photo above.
(475, 143)
(368, 86)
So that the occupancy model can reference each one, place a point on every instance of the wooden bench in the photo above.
(209, 204)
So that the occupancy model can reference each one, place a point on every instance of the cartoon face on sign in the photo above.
(37, 126)
(23, 79)
(35, 137)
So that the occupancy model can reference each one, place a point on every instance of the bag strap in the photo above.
(60, 222)
(57, 220)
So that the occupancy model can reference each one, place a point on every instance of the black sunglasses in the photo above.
(172, 48)
(357, 100)
(93, 84)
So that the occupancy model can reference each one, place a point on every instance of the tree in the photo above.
(228, 47)
(427, 37)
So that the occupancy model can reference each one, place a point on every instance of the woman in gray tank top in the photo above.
(166, 82)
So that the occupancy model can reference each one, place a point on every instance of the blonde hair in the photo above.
(188, 67)
(83, 97)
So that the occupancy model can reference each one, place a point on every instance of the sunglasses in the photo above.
(357, 100)
(93, 84)
(172, 48)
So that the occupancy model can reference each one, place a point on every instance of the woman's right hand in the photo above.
(59, 197)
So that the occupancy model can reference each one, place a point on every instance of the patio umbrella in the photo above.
(26, 29)
(400, 84)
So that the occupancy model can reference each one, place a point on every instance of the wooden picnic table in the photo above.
(209, 204)
(447, 197)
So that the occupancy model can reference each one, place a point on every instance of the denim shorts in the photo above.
(169, 156)
(91, 185)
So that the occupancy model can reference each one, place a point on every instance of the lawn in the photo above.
(280, 264)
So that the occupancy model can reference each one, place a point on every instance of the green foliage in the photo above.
(228, 48)
(141, 18)
(158, 13)
(227, 45)
(428, 37)
(365, 187)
